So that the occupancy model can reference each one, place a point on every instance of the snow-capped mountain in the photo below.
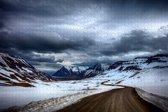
(147, 73)
(94, 70)
(138, 63)
(65, 73)
(78, 72)
(141, 63)
(16, 71)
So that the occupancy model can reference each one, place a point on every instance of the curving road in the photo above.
(117, 100)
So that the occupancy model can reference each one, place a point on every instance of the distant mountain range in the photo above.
(16, 71)
(77, 73)
(138, 63)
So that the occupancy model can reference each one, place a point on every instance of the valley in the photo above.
(148, 74)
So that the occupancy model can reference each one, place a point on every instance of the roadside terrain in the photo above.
(117, 100)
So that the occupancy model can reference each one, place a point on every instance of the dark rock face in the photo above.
(116, 64)
(156, 58)
(16, 63)
(132, 68)
(63, 72)
(161, 55)
(66, 74)
(96, 67)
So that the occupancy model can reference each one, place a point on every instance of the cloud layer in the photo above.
(137, 41)
(51, 33)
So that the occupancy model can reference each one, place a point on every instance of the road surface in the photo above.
(118, 100)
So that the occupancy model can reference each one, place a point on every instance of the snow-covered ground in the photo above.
(19, 96)
(160, 102)
(151, 80)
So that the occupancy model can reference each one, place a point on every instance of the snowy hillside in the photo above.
(147, 73)
(66, 73)
(140, 63)
(17, 72)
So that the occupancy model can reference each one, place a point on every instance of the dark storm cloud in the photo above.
(41, 59)
(92, 62)
(42, 44)
(1, 25)
(115, 10)
(59, 8)
(34, 59)
(56, 26)
(37, 60)
(137, 41)
(160, 4)
(42, 7)
(148, 4)
(24, 46)
(28, 7)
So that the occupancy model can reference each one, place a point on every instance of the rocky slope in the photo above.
(17, 72)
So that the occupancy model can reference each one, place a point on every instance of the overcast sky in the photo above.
(52, 33)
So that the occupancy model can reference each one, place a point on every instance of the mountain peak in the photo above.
(63, 68)
(63, 71)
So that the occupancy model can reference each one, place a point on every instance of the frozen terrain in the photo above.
(15, 71)
(71, 91)
(146, 73)
(19, 96)
(151, 80)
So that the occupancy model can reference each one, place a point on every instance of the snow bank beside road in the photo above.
(151, 80)
(158, 101)
(57, 103)
(19, 96)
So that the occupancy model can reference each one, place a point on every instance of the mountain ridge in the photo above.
(16, 71)
(138, 63)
